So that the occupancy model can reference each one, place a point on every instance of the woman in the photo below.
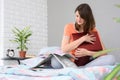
(84, 22)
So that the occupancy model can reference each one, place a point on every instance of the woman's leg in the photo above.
(102, 61)
(55, 64)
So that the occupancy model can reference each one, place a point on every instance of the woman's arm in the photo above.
(67, 46)
(83, 52)
(80, 52)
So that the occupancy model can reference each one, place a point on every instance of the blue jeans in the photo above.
(100, 61)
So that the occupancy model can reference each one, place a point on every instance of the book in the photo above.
(89, 46)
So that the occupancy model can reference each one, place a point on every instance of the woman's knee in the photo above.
(110, 58)
(102, 61)
(55, 64)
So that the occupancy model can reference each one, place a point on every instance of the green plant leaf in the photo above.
(117, 5)
(113, 73)
(116, 20)
(103, 52)
(21, 37)
(118, 77)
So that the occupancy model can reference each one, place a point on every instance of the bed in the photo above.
(24, 72)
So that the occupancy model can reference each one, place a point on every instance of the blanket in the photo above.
(22, 72)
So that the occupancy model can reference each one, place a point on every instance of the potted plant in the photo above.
(22, 38)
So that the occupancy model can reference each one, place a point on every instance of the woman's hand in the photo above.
(89, 38)
(81, 52)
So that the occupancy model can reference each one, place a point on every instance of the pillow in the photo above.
(44, 52)
(92, 47)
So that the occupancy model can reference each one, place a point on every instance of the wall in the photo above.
(1, 32)
(61, 12)
(21, 13)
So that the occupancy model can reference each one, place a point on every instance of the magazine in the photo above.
(65, 60)
(39, 61)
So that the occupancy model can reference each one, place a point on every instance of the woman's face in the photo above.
(79, 20)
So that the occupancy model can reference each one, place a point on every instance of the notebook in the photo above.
(92, 47)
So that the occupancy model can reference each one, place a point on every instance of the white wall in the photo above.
(61, 12)
(1, 31)
(21, 13)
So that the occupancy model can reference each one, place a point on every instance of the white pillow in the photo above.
(50, 50)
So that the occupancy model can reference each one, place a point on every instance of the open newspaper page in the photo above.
(34, 62)
(45, 56)
(65, 61)
(62, 59)
(39, 61)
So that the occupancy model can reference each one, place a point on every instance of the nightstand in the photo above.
(15, 58)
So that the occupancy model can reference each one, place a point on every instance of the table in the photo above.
(15, 58)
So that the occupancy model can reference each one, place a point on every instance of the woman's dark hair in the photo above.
(85, 12)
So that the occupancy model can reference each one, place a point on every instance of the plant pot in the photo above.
(22, 54)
